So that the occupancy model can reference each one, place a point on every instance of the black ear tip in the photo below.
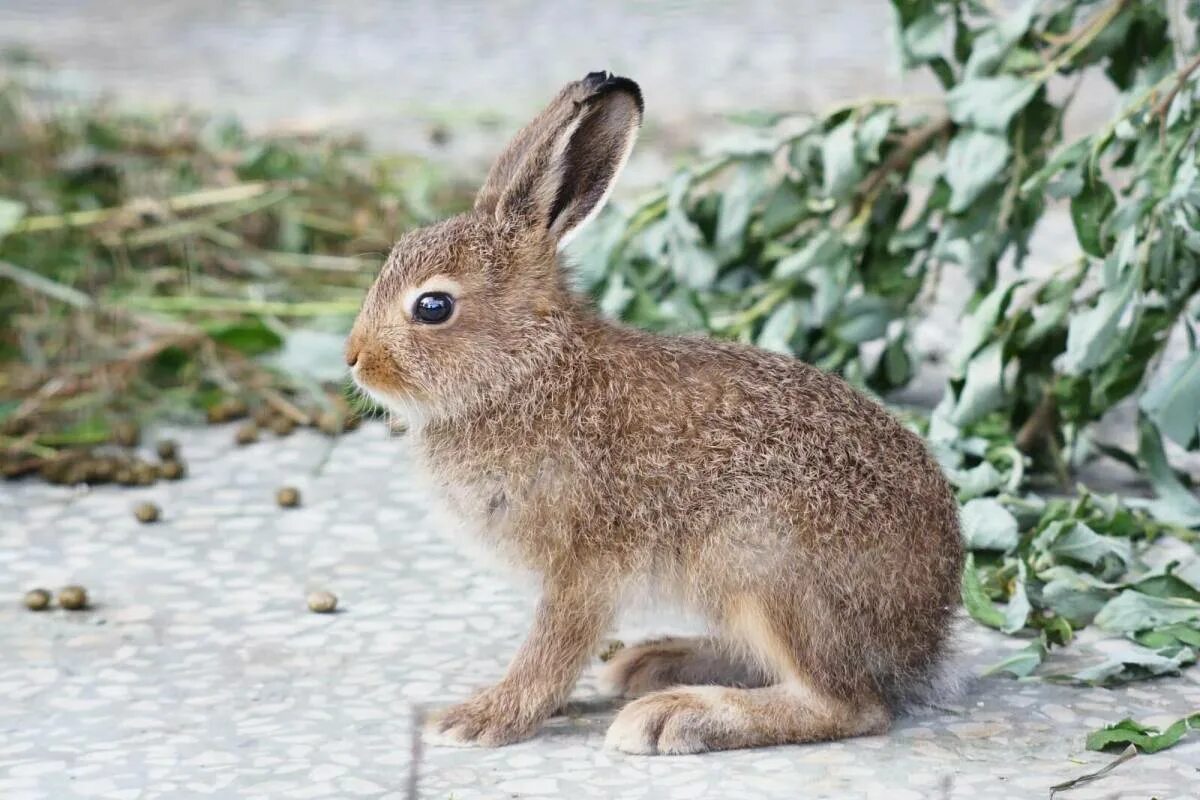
(602, 82)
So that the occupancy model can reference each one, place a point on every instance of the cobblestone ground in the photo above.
(199, 671)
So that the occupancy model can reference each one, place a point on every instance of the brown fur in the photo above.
(813, 530)
(677, 661)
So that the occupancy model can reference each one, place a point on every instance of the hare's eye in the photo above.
(433, 307)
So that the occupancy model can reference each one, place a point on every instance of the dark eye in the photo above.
(433, 307)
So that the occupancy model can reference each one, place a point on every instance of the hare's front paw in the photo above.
(684, 720)
(489, 719)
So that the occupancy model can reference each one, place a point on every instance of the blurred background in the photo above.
(449, 80)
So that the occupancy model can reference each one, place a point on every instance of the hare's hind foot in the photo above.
(677, 661)
(695, 719)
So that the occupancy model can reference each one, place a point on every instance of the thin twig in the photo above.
(284, 406)
(77, 299)
(169, 333)
(912, 145)
(1040, 424)
(26, 445)
(185, 303)
(206, 224)
(1163, 106)
(1128, 753)
(118, 370)
(317, 261)
(1081, 38)
(32, 403)
(762, 307)
(182, 202)
(43, 285)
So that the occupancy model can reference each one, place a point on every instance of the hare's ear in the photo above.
(559, 169)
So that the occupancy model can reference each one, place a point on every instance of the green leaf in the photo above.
(830, 284)
(979, 325)
(974, 160)
(983, 387)
(1016, 613)
(1173, 402)
(7, 407)
(873, 130)
(1022, 663)
(251, 336)
(11, 212)
(1189, 573)
(780, 326)
(1132, 611)
(1175, 502)
(1126, 662)
(1075, 540)
(989, 103)
(979, 480)
(1070, 157)
(1091, 335)
(1146, 738)
(1074, 595)
(616, 296)
(990, 47)
(824, 247)
(925, 37)
(863, 319)
(691, 262)
(785, 207)
(1090, 209)
(1170, 636)
(1049, 321)
(840, 167)
(593, 247)
(895, 366)
(1162, 583)
(737, 204)
(987, 525)
(975, 599)
(90, 430)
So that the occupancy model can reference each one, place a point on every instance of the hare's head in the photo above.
(469, 306)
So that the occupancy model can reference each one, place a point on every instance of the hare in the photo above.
(810, 528)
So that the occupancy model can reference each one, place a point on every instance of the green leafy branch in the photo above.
(1146, 738)
(827, 235)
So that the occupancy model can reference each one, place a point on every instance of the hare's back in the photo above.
(729, 384)
(716, 415)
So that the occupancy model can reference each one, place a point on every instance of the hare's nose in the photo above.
(351, 356)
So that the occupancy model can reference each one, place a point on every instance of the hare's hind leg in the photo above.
(692, 719)
(675, 661)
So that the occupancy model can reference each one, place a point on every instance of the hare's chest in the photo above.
(504, 517)
(511, 501)
(475, 514)
(481, 504)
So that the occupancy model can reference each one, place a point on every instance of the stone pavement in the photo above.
(199, 671)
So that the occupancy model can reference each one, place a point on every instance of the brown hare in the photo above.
(814, 533)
